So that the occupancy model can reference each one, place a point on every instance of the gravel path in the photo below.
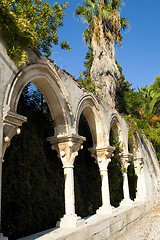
(147, 229)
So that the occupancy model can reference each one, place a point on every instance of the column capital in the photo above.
(11, 123)
(127, 156)
(137, 158)
(102, 155)
(102, 152)
(125, 160)
(67, 147)
(138, 164)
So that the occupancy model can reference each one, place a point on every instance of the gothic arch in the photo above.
(90, 108)
(45, 78)
(116, 124)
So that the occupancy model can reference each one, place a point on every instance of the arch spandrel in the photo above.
(48, 82)
(90, 108)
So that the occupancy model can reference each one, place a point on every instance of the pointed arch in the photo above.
(119, 127)
(89, 106)
(46, 79)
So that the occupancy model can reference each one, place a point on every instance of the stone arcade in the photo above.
(67, 100)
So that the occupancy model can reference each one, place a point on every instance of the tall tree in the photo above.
(31, 23)
(104, 29)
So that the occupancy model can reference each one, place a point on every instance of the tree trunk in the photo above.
(104, 71)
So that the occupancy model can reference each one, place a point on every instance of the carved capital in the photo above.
(138, 164)
(67, 147)
(125, 161)
(11, 124)
(103, 156)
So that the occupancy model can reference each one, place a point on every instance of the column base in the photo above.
(126, 203)
(105, 210)
(139, 199)
(70, 221)
(2, 237)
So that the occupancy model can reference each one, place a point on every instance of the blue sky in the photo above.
(140, 51)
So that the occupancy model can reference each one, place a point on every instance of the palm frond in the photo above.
(115, 4)
(105, 13)
(91, 3)
(154, 101)
(87, 36)
(124, 23)
(84, 12)
(106, 2)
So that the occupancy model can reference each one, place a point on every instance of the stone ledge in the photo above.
(98, 226)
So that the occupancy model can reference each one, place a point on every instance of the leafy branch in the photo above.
(31, 24)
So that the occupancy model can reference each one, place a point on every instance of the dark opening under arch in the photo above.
(33, 181)
(87, 176)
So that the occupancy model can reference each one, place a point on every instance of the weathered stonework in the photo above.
(67, 100)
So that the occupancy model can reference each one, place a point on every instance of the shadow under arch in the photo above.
(46, 79)
(87, 176)
(117, 129)
(33, 179)
(114, 168)
(119, 139)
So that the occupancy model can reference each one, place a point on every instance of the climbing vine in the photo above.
(31, 24)
(87, 82)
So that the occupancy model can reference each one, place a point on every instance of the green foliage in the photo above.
(142, 110)
(115, 172)
(32, 24)
(87, 81)
(123, 87)
(107, 13)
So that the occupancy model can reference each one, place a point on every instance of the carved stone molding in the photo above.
(138, 164)
(11, 125)
(125, 160)
(103, 156)
(67, 147)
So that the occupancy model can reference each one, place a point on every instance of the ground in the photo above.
(147, 229)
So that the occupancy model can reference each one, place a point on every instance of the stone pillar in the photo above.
(103, 158)
(125, 159)
(67, 147)
(141, 186)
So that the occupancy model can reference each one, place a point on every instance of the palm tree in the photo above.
(104, 29)
(150, 103)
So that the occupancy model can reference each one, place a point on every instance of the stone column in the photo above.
(67, 147)
(125, 159)
(141, 186)
(103, 157)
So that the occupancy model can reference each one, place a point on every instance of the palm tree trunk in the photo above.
(104, 71)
